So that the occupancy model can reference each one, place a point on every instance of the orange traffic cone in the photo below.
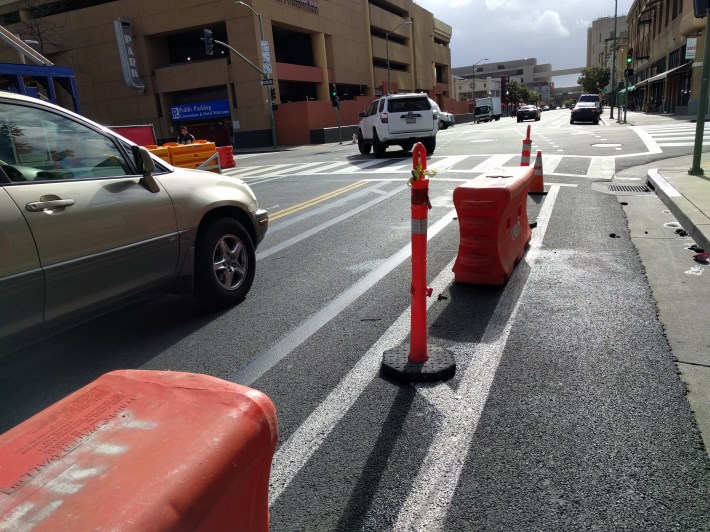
(537, 184)
(525, 158)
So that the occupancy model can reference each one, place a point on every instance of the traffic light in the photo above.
(209, 41)
(335, 103)
(630, 56)
(273, 94)
(333, 92)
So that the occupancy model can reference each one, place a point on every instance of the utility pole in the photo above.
(703, 104)
(613, 67)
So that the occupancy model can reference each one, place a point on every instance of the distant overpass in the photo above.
(564, 72)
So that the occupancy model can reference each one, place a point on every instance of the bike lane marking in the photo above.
(441, 461)
(433, 489)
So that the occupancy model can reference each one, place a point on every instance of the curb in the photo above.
(685, 212)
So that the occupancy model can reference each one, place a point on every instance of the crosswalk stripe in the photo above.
(598, 167)
(603, 167)
(549, 164)
(330, 166)
(254, 170)
(672, 144)
(352, 168)
(494, 161)
(447, 162)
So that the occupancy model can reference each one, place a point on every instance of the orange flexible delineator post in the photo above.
(527, 144)
(421, 362)
(493, 224)
(537, 187)
(142, 450)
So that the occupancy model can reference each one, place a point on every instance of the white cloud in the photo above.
(547, 24)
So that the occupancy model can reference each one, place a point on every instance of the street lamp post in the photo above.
(266, 76)
(473, 87)
(387, 50)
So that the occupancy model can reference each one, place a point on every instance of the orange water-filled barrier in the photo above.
(142, 450)
(493, 224)
(226, 156)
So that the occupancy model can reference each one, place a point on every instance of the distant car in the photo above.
(398, 119)
(446, 119)
(585, 112)
(528, 112)
(591, 98)
(90, 221)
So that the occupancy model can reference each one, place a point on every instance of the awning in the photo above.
(630, 89)
(664, 75)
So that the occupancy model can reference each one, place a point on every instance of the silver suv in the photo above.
(398, 119)
(89, 221)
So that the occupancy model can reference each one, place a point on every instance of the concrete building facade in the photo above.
(600, 40)
(139, 62)
(665, 41)
(488, 75)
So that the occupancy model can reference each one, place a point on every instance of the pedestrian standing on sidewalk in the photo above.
(185, 136)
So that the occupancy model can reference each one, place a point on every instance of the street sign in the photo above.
(267, 68)
(267, 81)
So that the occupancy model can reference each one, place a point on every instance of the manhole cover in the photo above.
(628, 188)
(606, 145)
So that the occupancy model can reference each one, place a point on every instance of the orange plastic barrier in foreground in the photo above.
(493, 224)
(142, 450)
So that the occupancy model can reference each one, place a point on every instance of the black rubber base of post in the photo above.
(440, 365)
(537, 193)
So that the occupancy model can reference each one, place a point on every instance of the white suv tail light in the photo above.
(384, 118)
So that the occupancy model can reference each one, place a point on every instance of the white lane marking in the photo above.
(295, 452)
(291, 340)
(312, 212)
(433, 489)
(651, 144)
(603, 167)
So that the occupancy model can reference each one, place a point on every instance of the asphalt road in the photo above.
(565, 412)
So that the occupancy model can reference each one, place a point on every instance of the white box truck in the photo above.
(487, 109)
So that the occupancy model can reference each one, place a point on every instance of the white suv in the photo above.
(398, 119)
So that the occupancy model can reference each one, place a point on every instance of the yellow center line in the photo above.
(315, 201)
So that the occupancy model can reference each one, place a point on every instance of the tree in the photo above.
(40, 27)
(594, 79)
(517, 93)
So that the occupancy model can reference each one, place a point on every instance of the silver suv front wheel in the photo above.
(225, 262)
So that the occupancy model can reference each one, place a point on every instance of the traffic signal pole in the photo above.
(613, 68)
(703, 103)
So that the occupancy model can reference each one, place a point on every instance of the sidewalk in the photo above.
(683, 311)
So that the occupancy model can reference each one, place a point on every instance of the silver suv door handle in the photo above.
(37, 206)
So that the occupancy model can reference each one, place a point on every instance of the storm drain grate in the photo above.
(628, 188)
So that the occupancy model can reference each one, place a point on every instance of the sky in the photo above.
(552, 31)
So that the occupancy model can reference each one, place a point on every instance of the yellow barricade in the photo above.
(161, 152)
(193, 155)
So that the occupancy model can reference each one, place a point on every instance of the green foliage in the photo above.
(594, 79)
(518, 94)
